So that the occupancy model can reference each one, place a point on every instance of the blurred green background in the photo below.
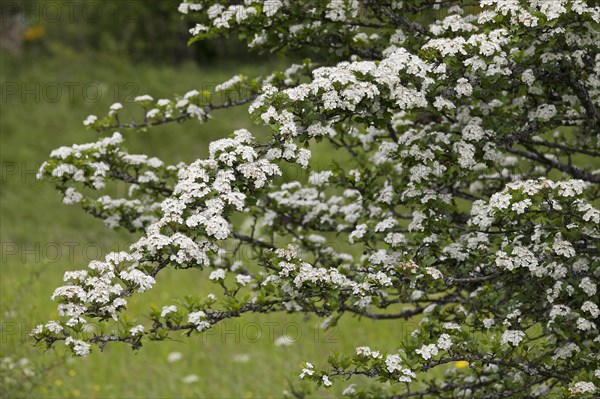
(63, 60)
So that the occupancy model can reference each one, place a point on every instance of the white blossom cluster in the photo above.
(205, 190)
(93, 165)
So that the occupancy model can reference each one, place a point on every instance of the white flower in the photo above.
(514, 337)
(190, 379)
(434, 273)
(197, 318)
(366, 351)
(588, 286)
(270, 7)
(80, 348)
(228, 84)
(141, 279)
(152, 113)
(308, 370)
(487, 323)
(143, 98)
(358, 233)
(463, 87)
(583, 324)
(427, 351)
(54, 327)
(116, 107)
(408, 375)
(303, 157)
(544, 112)
(381, 278)
(444, 342)
(392, 362)
(269, 115)
(137, 330)
(520, 206)
(316, 238)
(196, 111)
(191, 94)
(563, 247)
(566, 351)
(183, 8)
(583, 387)
(528, 77)
(451, 326)
(500, 200)
(326, 381)
(552, 9)
(440, 103)
(174, 357)
(91, 119)
(72, 196)
(243, 279)
(385, 224)
(218, 274)
(168, 309)
(349, 390)
(417, 222)
(591, 308)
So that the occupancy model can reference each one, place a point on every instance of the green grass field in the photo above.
(41, 238)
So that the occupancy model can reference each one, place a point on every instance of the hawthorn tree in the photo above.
(461, 194)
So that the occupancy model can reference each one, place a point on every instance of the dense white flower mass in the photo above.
(438, 165)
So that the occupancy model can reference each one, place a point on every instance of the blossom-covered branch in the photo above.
(461, 194)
